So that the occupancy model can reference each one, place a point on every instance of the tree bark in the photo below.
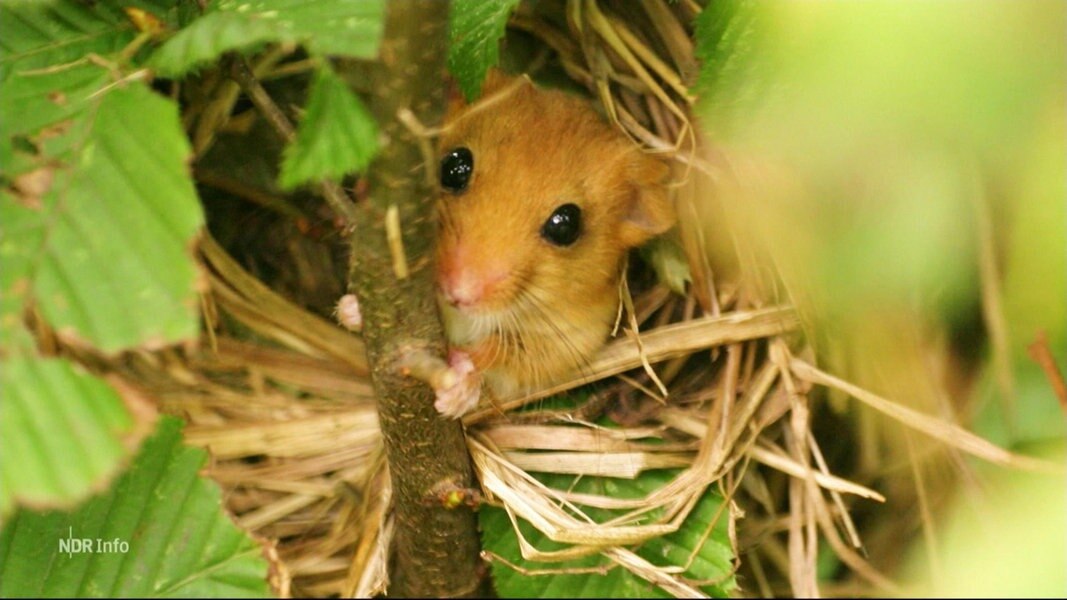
(435, 549)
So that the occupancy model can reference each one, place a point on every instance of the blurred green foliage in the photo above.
(888, 121)
(882, 147)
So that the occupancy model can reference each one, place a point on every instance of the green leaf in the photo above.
(160, 531)
(343, 27)
(337, 136)
(45, 70)
(38, 34)
(711, 562)
(726, 38)
(46, 115)
(110, 241)
(103, 211)
(477, 26)
(17, 261)
(666, 256)
(61, 432)
(208, 38)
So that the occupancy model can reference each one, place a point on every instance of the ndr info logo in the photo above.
(72, 545)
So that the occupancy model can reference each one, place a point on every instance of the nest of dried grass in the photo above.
(720, 377)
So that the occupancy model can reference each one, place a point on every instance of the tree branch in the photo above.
(435, 549)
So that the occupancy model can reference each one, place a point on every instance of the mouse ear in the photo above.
(649, 212)
(495, 79)
(455, 102)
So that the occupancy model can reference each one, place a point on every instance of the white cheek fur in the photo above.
(461, 328)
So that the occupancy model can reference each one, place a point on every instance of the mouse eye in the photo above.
(456, 169)
(564, 226)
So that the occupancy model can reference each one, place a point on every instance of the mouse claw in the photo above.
(348, 313)
(460, 388)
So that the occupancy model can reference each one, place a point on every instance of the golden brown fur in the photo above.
(545, 309)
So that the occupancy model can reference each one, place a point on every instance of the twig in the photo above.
(242, 73)
(1039, 351)
(993, 306)
(396, 242)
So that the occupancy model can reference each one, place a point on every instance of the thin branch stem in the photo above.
(242, 73)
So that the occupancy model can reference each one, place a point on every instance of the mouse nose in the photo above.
(463, 284)
(461, 292)
(462, 288)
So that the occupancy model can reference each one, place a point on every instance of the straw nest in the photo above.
(717, 382)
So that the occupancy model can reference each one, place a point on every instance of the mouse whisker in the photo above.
(561, 329)
(503, 338)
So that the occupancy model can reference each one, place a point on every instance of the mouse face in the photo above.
(540, 200)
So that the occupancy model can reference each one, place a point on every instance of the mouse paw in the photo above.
(458, 398)
(348, 313)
